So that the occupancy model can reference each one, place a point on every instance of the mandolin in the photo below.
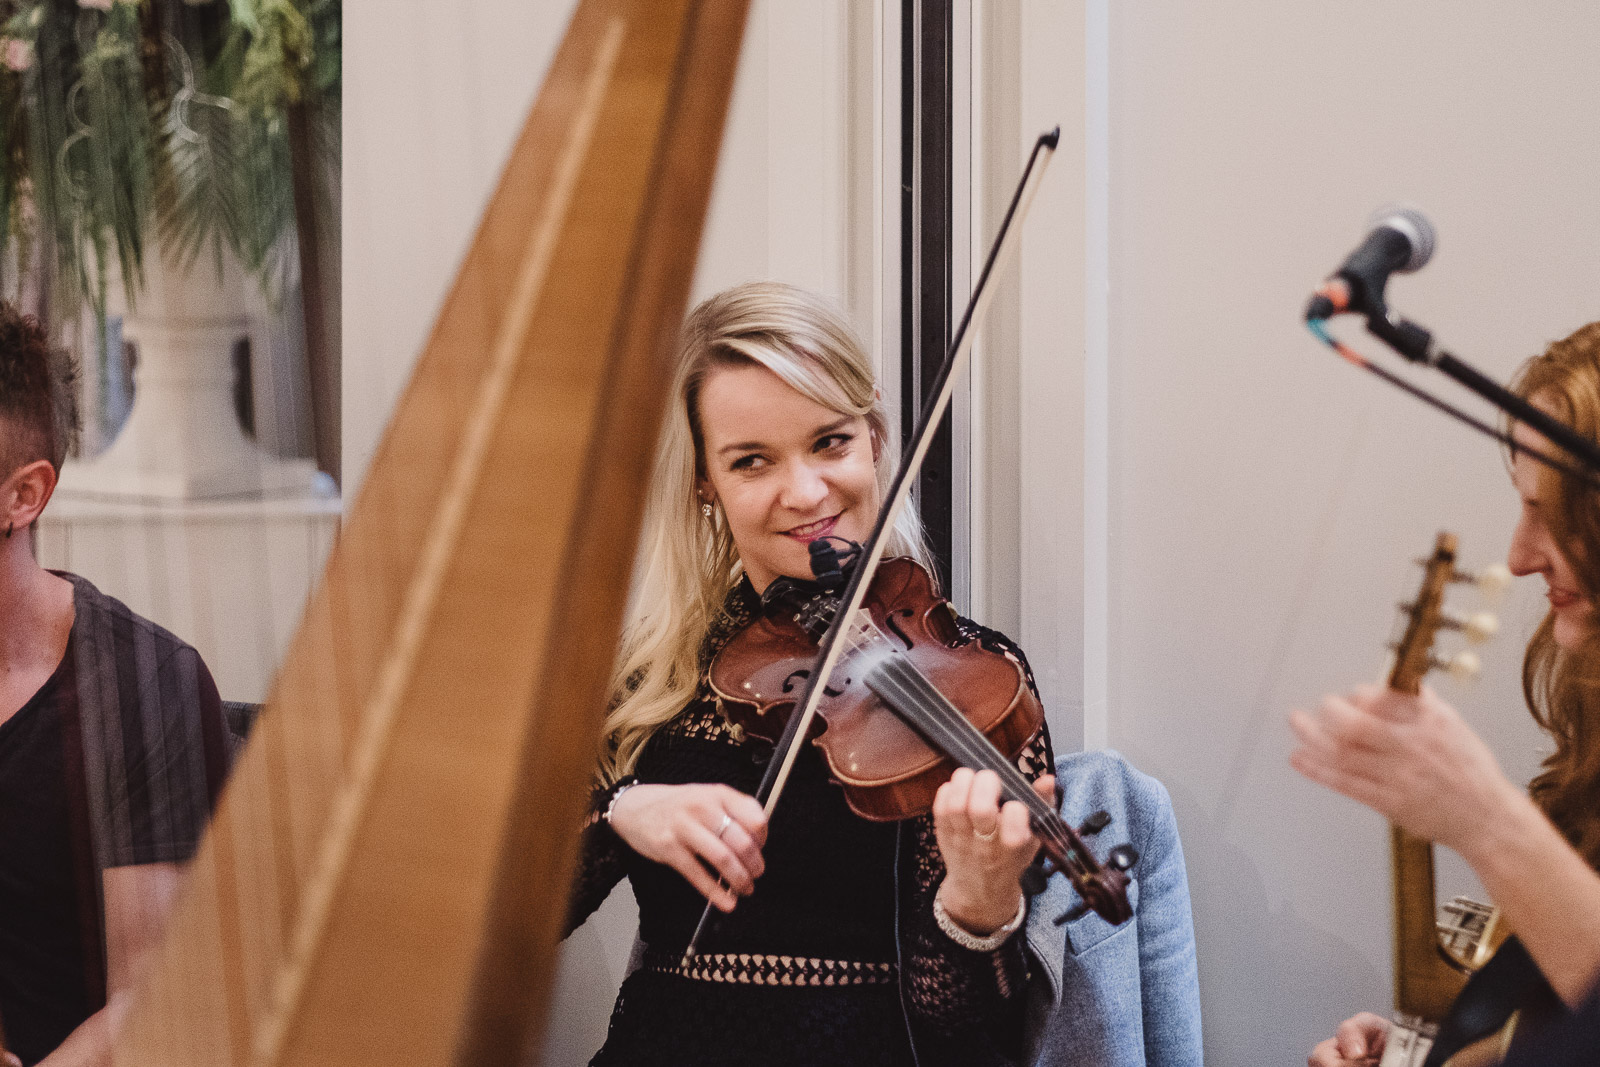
(1435, 949)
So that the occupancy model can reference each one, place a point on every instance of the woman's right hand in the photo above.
(1358, 1042)
(700, 831)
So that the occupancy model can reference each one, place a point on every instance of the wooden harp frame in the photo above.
(386, 878)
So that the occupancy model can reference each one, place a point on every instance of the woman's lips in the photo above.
(812, 530)
(1562, 598)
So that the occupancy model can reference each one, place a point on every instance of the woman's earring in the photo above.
(705, 509)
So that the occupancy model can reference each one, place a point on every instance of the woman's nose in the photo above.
(1525, 555)
(803, 488)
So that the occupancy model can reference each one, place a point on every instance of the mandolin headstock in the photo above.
(1425, 616)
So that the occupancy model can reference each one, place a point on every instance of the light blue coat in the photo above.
(1126, 996)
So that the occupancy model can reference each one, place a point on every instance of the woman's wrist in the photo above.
(1509, 824)
(980, 935)
(613, 795)
(979, 914)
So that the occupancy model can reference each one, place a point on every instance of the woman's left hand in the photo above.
(986, 848)
(1410, 758)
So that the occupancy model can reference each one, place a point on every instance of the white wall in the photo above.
(431, 108)
(1265, 497)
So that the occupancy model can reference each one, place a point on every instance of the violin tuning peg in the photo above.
(1095, 823)
(1123, 857)
(1077, 911)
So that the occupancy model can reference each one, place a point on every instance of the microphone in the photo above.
(1401, 240)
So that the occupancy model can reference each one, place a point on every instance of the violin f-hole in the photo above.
(791, 683)
(892, 621)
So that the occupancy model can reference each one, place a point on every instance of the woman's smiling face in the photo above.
(784, 469)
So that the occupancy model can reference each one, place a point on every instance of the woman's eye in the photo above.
(748, 463)
(834, 442)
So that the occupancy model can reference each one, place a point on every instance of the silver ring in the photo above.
(988, 836)
(727, 821)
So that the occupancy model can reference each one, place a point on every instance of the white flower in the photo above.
(18, 54)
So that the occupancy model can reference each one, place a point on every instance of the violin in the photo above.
(892, 763)
(909, 705)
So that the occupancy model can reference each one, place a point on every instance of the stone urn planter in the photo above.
(182, 440)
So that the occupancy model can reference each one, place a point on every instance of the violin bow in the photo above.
(831, 648)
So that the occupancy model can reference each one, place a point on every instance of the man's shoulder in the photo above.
(153, 745)
(104, 621)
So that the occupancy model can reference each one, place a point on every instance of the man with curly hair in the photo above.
(112, 750)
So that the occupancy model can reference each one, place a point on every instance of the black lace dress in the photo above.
(836, 958)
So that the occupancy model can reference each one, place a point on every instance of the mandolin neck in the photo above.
(1424, 984)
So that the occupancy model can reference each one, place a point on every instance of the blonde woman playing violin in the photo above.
(843, 941)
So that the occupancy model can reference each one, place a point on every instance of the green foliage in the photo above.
(120, 119)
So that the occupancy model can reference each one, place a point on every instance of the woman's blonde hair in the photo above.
(1562, 686)
(688, 562)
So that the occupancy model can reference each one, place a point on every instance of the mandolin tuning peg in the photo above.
(1094, 824)
(1477, 627)
(1463, 666)
(1491, 581)
(1123, 857)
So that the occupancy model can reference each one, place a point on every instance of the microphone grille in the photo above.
(1414, 226)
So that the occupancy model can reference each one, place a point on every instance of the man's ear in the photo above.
(26, 492)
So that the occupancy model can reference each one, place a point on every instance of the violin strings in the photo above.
(956, 736)
(914, 686)
(962, 739)
(910, 688)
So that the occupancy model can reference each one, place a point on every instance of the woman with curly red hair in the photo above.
(1415, 761)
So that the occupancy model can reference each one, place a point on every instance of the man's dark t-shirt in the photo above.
(115, 761)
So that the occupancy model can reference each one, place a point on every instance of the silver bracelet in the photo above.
(954, 932)
(616, 795)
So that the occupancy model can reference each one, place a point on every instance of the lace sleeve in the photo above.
(950, 988)
(602, 861)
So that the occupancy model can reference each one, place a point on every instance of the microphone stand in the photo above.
(1416, 344)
